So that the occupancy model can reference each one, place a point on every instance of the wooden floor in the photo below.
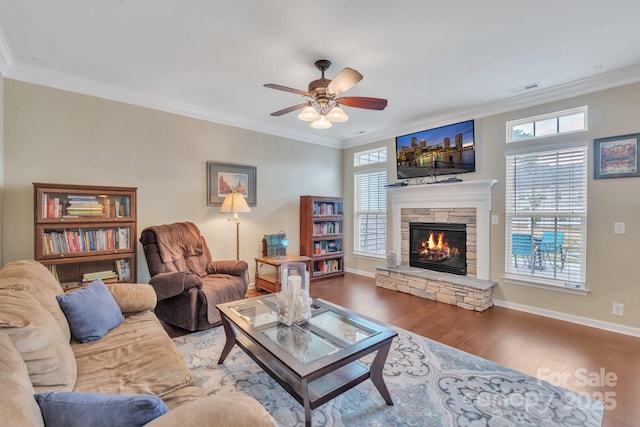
(602, 364)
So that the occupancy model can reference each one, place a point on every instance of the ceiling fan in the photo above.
(321, 107)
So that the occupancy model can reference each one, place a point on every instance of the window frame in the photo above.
(557, 115)
(369, 168)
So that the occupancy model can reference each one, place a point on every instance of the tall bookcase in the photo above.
(321, 237)
(83, 232)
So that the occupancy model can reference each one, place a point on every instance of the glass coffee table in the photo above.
(316, 360)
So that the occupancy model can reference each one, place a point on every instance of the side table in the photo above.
(268, 270)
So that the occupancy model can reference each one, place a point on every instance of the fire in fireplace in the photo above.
(438, 246)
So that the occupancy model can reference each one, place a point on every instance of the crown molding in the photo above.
(72, 83)
(592, 84)
(6, 58)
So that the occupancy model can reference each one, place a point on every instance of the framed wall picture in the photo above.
(616, 156)
(224, 178)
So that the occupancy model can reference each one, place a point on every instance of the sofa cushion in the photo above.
(91, 311)
(36, 278)
(137, 357)
(226, 409)
(18, 407)
(37, 337)
(70, 409)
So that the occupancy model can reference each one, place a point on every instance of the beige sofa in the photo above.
(136, 357)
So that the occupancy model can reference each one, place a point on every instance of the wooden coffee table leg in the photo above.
(376, 373)
(231, 339)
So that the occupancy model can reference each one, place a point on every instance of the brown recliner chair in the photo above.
(187, 282)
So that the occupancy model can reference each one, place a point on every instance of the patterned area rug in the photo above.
(431, 385)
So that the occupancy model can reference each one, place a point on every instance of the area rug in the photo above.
(431, 385)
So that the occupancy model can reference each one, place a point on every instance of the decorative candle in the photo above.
(295, 284)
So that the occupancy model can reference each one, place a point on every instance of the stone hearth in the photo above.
(461, 291)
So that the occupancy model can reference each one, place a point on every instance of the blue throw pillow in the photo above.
(72, 409)
(91, 311)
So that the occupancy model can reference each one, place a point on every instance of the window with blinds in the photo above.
(370, 203)
(546, 216)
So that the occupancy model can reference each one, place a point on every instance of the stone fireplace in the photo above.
(463, 208)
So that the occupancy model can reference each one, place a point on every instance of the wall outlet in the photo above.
(617, 309)
(495, 219)
(619, 228)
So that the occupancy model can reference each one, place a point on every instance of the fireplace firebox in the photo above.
(438, 246)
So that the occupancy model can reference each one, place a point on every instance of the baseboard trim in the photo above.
(585, 321)
(360, 272)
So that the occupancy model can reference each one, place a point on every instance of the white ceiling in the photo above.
(435, 61)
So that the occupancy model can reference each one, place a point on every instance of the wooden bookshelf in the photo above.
(84, 231)
(321, 235)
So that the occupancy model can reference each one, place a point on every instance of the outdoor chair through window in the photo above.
(552, 250)
(522, 247)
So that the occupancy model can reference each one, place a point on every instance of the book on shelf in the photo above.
(51, 207)
(122, 269)
(327, 208)
(80, 206)
(324, 228)
(83, 240)
(327, 266)
(107, 276)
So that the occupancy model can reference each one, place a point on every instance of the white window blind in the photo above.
(546, 216)
(371, 212)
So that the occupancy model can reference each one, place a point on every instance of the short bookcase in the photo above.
(83, 232)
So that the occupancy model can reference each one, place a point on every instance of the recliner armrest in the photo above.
(235, 268)
(168, 285)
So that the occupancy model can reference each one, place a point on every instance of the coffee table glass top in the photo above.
(326, 332)
(300, 343)
(258, 311)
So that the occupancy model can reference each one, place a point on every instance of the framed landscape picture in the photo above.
(224, 178)
(616, 156)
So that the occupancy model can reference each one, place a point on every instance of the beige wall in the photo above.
(1, 153)
(57, 136)
(611, 259)
(62, 137)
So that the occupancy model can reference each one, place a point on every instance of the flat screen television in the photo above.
(446, 150)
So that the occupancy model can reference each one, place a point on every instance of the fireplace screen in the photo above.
(438, 246)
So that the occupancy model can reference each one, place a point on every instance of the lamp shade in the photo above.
(234, 203)
(309, 114)
(337, 115)
(321, 123)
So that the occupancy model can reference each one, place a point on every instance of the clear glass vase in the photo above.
(294, 302)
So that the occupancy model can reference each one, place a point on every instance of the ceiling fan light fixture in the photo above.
(309, 114)
(337, 115)
(321, 123)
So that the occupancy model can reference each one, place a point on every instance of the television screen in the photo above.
(445, 150)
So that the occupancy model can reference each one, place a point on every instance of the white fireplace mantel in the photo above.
(465, 194)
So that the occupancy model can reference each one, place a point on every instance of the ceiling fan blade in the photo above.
(290, 109)
(287, 89)
(363, 102)
(345, 80)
